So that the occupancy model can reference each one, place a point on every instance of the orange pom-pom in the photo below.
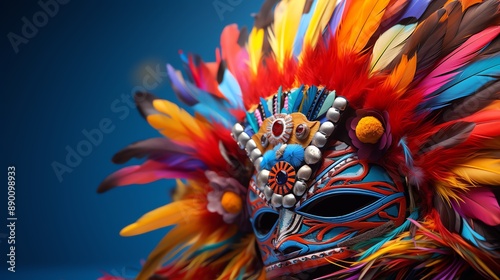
(231, 202)
(369, 130)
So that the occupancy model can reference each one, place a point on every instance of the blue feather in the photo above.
(211, 107)
(294, 99)
(389, 236)
(301, 31)
(178, 85)
(252, 121)
(406, 151)
(336, 17)
(466, 83)
(231, 89)
(310, 96)
(470, 234)
(217, 245)
(184, 57)
(264, 106)
(316, 105)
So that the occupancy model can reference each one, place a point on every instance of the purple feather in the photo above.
(416, 9)
(179, 87)
(336, 17)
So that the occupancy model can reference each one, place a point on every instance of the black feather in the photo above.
(144, 103)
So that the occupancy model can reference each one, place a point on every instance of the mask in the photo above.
(310, 200)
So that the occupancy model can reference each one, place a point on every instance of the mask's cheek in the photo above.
(264, 221)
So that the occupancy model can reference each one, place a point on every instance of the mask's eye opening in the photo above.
(336, 205)
(265, 222)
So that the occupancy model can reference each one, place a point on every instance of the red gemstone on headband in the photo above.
(277, 128)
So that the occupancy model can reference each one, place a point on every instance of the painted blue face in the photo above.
(346, 197)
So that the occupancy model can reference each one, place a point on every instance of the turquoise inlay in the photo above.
(392, 210)
(327, 104)
(278, 101)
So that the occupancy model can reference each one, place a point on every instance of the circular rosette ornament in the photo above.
(282, 178)
(370, 133)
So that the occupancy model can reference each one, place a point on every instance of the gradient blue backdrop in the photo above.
(65, 80)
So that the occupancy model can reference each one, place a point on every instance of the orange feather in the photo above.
(360, 22)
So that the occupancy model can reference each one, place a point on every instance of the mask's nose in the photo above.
(289, 224)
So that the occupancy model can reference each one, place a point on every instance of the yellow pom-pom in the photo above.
(231, 202)
(369, 130)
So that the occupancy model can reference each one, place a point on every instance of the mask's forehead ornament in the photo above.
(287, 145)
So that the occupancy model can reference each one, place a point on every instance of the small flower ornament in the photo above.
(226, 198)
(370, 133)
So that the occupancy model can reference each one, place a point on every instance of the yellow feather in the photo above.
(319, 21)
(389, 45)
(242, 256)
(361, 21)
(178, 114)
(178, 235)
(162, 217)
(450, 188)
(287, 16)
(176, 123)
(483, 171)
(254, 48)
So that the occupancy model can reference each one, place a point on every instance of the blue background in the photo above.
(63, 81)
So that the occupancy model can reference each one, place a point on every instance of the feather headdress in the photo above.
(430, 72)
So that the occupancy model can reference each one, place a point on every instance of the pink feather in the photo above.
(147, 172)
(481, 204)
(446, 68)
